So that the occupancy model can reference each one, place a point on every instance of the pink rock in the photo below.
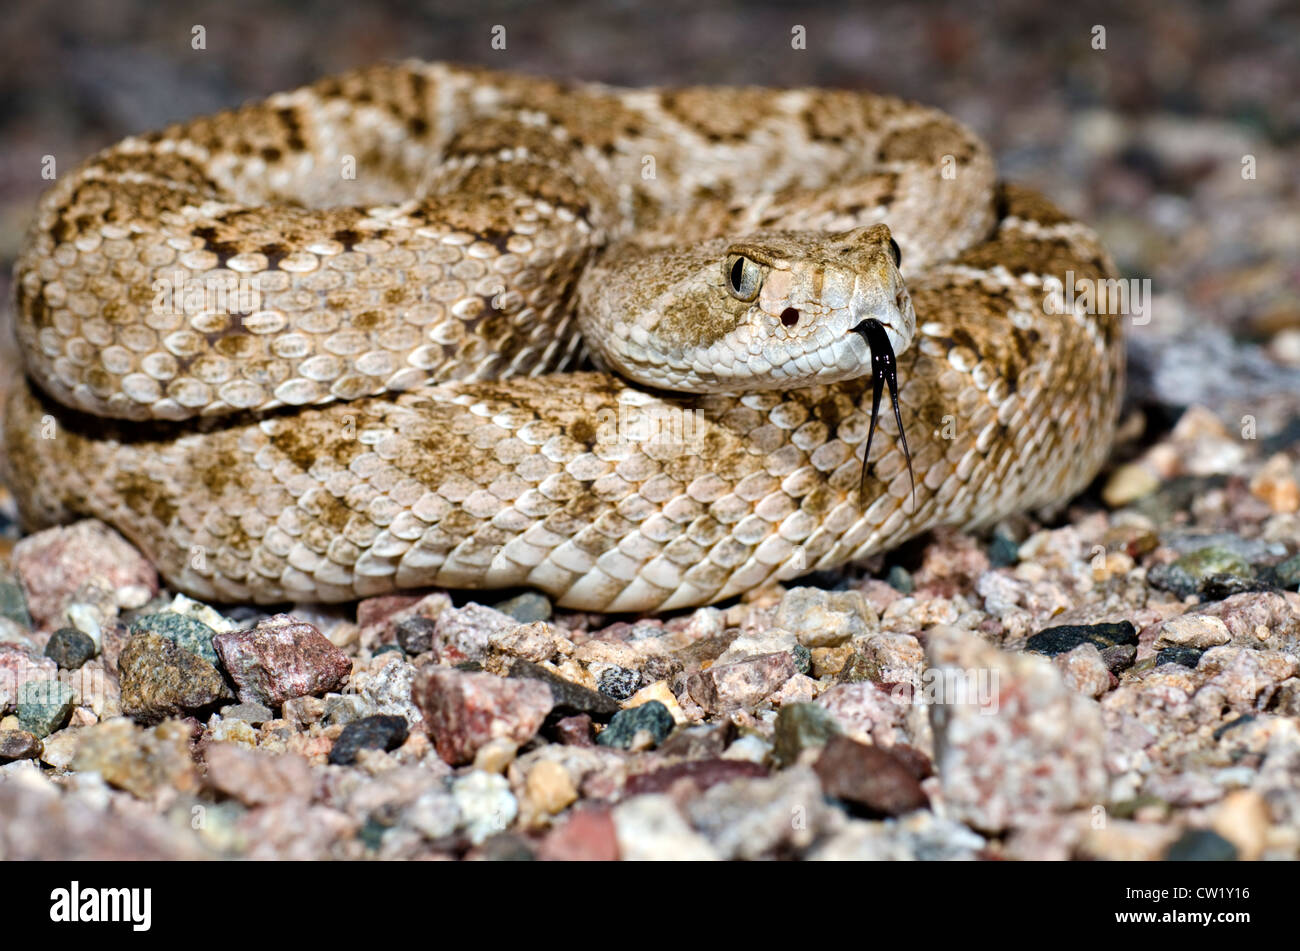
(575, 730)
(1014, 743)
(1084, 670)
(702, 773)
(463, 634)
(873, 777)
(463, 711)
(870, 711)
(256, 778)
(281, 658)
(1260, 619)
(51, 566)
(16, 668)
(378, 617)
(741, 685)
(587, 836)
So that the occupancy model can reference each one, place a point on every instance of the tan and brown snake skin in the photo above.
(397, 404)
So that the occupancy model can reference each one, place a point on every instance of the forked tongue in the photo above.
(883, 370)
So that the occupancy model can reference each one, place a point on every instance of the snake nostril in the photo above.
(789, 317)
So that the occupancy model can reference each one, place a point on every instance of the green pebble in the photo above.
(1288, 573)
(801, 726)
(13, 603)
(44, 706)
(652, 716)
(1215, 560)
(900, 579)
(182, 630)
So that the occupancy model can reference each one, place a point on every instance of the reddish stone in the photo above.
(587, 836)
(703, 773)
(256, 778)
(281, 658)
(575, 731)
(16, 668)
(378, 617)
(53, 564)
(870, 777)
(463, 711)
(917, 763)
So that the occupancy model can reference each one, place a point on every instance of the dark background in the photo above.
(1143, 139)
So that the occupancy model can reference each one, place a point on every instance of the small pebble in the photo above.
(185, 632)
(1065, 638)
(526, 608)
(1201, 845)
(574, 730)
(1128, 483)
(141, 761)
(160, 679)
(638, 728)
(19, 744)
(1288, 574)
(802, 726)
(13, 603)
(486, 804)
(1003, 550)
(464, 711)
(281, 658)
(1183, 656)
(619, 682)
(374, 733)
(869, 777)
(824, 618)
(1120, 657)
(254, 713)
(415, 634)
(44, 706)
(566, 696)
(1191, 630)
(1213, 560)
(69, 648)
(550, 788)
(502, 847)
(900, 579)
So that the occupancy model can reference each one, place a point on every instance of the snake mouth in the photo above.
(883, 370)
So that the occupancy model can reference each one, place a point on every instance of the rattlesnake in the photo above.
(404, 399)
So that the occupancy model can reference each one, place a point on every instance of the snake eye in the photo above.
(743, 277)
(898, 252)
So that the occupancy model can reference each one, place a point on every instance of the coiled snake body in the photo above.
(326, 346)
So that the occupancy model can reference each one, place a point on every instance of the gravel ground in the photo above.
(1116, 680)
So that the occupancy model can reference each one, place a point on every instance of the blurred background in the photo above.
(1135, 117)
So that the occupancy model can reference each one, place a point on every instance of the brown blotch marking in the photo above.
(292, 129)
(719, 114)
(583, 431)
(348, 237)
(926, 143)
(274, 254)
(220, 470)
(304, 442)
(1013, 200)
(372, 320)
(144, 496)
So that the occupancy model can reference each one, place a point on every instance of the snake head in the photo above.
(771, 311)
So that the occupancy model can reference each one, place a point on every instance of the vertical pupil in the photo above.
(737, 271)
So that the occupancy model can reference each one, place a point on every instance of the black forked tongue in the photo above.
(883, 370)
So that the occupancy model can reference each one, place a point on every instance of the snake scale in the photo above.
(424, 263)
